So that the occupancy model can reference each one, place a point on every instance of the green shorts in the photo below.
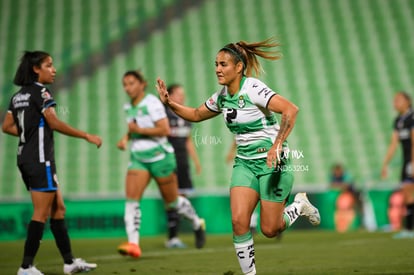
(159, 169)
(272, 184)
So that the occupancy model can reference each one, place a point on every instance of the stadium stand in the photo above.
(342, 62)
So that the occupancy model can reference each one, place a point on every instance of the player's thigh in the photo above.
(271, 215)
(164, 173)
(168, 187)
(243, 201)
(274, 191)
(135, 183)
(408, 192)
(58, 206)
(42, 204)
(244, 194)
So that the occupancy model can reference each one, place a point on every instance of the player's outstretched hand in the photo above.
(162, 91)
(122, 144)
(94, 139)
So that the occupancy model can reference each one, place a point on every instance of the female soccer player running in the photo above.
(260, 172)
(151, 156)
(32, 118)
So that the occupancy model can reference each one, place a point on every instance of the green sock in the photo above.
(243, 238)
(287, 220)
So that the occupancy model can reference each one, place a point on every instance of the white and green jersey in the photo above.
(145, 114)
(247, 116)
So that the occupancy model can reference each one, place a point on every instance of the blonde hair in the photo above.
(247, 53)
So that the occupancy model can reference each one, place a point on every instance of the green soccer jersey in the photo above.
(246, 115)
(145, 114)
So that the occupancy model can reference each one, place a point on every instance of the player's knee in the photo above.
(40, 215)
(240, 226)
(271, 231)
(59, 211)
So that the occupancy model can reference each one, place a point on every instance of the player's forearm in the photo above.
(286, 125)
(192, 151)
(156, 131)
(10, 130)
(9, 126)
(389, 155)
(67, 130)
(187, 113)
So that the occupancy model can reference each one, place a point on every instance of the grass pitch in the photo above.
(298, 252)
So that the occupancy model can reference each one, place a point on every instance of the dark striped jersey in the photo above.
(35, 136)
(180, 131)
(404, 124)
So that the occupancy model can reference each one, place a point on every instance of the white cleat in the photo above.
(308, 210)
(29, 271)
(78, 266)
(175, 243)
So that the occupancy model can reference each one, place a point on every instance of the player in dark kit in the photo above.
(180, 139)
(31, 117)
(404, 133)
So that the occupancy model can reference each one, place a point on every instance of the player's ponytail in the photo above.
(25, 75)
(247, 53)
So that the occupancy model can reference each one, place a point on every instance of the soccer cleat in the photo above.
(32, 270)
(174, 243)
(200, 234)
(130, 249)
(78, 266)
(308, 210)
(404, 234)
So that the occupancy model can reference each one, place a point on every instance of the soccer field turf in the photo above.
(298, 252)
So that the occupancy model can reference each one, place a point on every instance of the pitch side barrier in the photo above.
(105, 218)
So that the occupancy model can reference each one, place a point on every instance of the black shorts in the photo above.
(183, 175)
(184, 179)
(39, 176)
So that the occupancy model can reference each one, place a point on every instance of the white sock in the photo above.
(185, 209)
(132, 218)
(245, 255)
(291, 213)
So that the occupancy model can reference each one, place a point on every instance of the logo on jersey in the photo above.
(231, 114)
(21, 100)
(265, 92)
(241, 102)
(45, 94)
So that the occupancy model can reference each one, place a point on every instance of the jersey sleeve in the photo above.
(11, 106)
(46, 99)
(259, 93)
(212, 104)
(156, 110)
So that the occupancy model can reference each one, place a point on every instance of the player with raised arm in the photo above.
(260, 171)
